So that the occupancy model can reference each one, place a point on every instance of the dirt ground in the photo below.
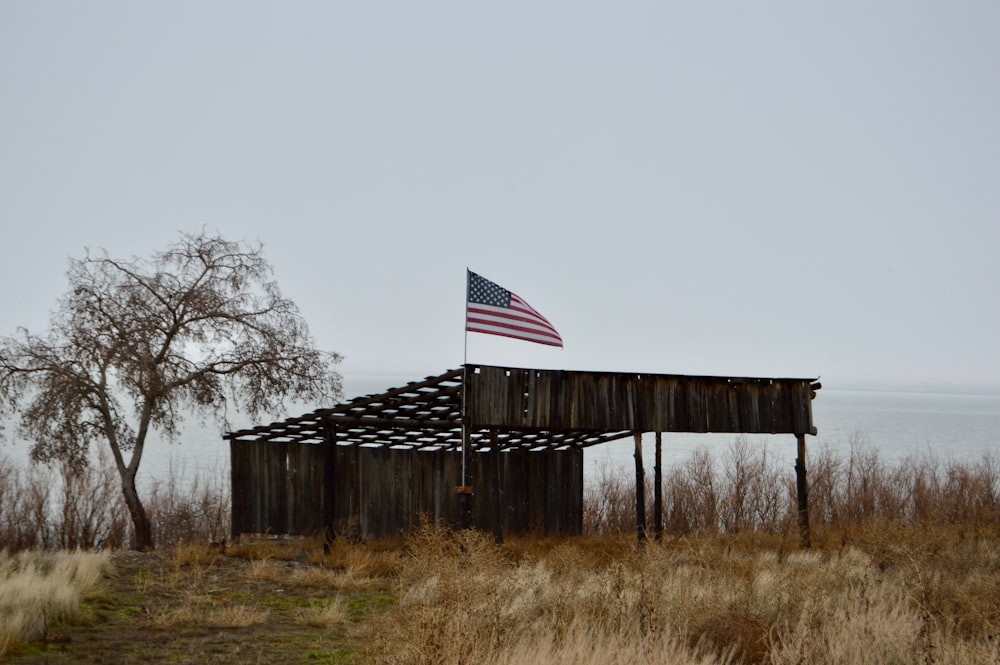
(154, 609)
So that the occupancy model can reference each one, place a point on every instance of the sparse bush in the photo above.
(63, 505)
(37, 589)
(189, 511)
(745, 489)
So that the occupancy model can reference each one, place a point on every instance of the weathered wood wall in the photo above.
(379, 492)
(514, 399)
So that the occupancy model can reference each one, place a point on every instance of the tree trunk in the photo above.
(142, 537)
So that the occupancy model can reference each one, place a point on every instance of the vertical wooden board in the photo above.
(300, 488)
(484, 491)
(540, 393)
(606, 412)
(309, 512)
(676, 407)
(732, 408)
(514, 397)
(535, 478)
(714, 409)
(293, 488)
(573, 495)
(391, 511)
(277, 482)
(384, 491)
(345, 488)
(248, 490)
(376, 490)
(801, 398)
(634, 415)
(783, 420)
(437, 489)
(748, 407)
(261, 487)
(406, 489)
(655, 403)
(433, 487)
(725, 417)
(553, 491)
(549, 389)
(692, 408)
(770, 419)
(570, 399)
(239, 466)
(451, 476)
(367, 521)
(515, 499)
(252, 487)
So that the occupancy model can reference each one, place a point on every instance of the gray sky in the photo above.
(772, 188)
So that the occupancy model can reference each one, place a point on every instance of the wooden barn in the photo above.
(496, 448)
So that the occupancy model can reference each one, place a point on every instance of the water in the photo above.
(897, 424)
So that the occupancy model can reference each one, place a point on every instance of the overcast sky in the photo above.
(766, 189)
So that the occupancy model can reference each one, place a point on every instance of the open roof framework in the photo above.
(425, 414)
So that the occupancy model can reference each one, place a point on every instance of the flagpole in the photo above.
(465, 361)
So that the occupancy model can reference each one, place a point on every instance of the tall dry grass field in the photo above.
(894, 595)
(37, 589)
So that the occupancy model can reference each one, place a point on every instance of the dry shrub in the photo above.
(195, 554)
(331, 614)
(609, 507)
(235, 616)
(24, 507)
(37, 589)
(587, 644)
(61, 505)
(745, 489)
(195, 510)
(377, 558)
(79, 505)
(740, 637)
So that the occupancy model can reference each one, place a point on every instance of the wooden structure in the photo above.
(496, 448)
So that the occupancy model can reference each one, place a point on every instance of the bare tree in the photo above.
(135, 344)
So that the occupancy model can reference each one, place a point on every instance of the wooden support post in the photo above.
(658, 489)
(640, 490)
(802, 491)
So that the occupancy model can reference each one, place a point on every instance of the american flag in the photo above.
(494, 310)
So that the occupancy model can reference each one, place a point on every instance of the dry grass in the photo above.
(37, 589)
(331, 614)
(905, 569)
(896, 595)
(875, 593)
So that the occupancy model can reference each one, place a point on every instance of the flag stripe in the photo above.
(500, 314)
(505, 332)
(494, 310)
(491, 324)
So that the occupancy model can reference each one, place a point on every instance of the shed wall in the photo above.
(379, 492)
